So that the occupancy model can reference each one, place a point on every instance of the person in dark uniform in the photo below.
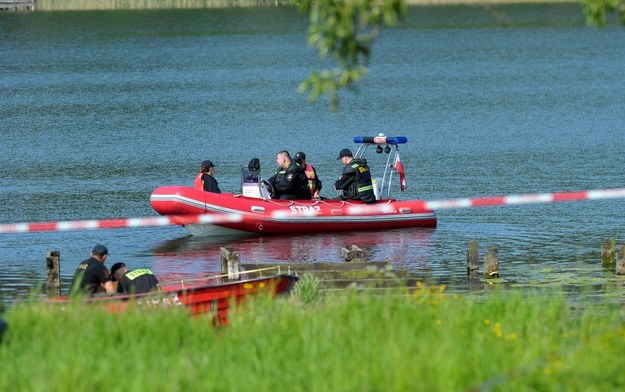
(290, 181)
(355, 181)
(134, 282)
(205, 179)
(91, 276)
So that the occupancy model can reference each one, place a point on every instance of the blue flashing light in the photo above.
(381, 139)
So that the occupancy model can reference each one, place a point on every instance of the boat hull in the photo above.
(256, 215)
(214, 299)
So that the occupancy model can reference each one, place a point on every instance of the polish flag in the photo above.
(399, 168)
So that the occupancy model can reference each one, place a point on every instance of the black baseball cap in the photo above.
(100, 250)
(300, 155)
(115, 267)
(346, 152)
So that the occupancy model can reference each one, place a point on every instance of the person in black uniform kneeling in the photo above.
(355, 181)
(290, 181)
(134, 282)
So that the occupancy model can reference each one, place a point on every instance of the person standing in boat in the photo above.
(355, 181)
(205, 180)
(290, 181)
(314, 183)
(91, 276)
(134, 282)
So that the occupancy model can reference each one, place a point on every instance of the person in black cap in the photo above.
(314, 183)
(205, 180)
(134, 282)
(355, 181)
(289, 182)
(91, 276)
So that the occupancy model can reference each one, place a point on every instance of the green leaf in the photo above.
(344, 32)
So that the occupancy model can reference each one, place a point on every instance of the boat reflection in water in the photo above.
(407, 249)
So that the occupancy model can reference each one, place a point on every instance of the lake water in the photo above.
(100, 108)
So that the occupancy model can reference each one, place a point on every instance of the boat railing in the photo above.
(383, 144)
(220, 278)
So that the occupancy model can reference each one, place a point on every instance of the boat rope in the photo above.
(355, 209)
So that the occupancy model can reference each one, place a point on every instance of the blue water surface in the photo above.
(100, 108)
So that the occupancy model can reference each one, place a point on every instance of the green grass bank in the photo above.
(425, 340)
(83, 5)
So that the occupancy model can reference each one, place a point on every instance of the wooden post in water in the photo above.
(620, 261)
(352, 253)
(230, 262)
(53, 268)
(491, 264)
(473, 258)
(608, 256)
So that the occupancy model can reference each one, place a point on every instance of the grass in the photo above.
(425, 340)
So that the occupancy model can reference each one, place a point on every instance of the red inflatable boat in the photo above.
(254, 211)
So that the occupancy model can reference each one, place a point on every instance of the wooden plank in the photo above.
(352, 253)
(620, 261)
(491, 264)
(608, 254)
(230, 263)
(53, 269)
(473, 257)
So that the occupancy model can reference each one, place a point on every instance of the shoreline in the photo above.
(101, 5)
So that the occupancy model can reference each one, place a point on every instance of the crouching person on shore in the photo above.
(91, 277)
(134, 282)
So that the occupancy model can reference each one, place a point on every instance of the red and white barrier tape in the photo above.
(116, 223)
(529, 198)
(489, 201)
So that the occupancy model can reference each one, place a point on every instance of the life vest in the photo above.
(311, 175)
(198, 183)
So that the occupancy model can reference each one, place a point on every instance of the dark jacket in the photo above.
(89, 275)
(290, 183)
(138, 281)
(355, 182)
(210, 183)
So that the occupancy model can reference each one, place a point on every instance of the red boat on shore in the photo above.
(254, 211)
(214, 299)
